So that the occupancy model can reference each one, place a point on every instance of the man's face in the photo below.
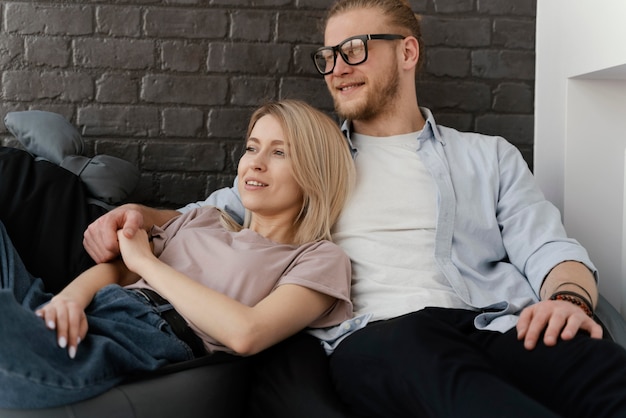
(365, 91)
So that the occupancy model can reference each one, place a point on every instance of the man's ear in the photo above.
(411, 52)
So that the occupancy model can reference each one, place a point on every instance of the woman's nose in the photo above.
(258, 162)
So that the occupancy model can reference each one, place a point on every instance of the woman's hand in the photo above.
(556, 319)
(135, 250)
(67, 316)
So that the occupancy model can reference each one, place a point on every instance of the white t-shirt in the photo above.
(388, 230)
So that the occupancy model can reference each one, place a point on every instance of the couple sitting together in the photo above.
(425, 260)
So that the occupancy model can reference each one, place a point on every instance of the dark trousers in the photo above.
(292, 380)
(46, 210)
(434, 363)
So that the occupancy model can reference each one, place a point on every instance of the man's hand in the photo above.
(67, 317)
(100, 238)
(559, 319)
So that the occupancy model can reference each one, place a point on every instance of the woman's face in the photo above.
(266, 183)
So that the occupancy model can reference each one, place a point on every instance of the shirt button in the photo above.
(358, 321)
(346, 327)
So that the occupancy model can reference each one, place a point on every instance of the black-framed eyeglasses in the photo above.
(353, 51)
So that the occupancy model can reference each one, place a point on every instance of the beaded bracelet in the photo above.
(574, 298)
(577, 285)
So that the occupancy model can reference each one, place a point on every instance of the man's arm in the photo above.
(100, 238)
(561, 316)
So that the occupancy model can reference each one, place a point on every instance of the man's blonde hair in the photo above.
(321, 162)
(397, 12)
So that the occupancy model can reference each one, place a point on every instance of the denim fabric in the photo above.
(126, 335)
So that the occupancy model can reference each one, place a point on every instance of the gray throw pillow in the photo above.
(44, 134)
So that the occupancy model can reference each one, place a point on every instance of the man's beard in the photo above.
(377, 100)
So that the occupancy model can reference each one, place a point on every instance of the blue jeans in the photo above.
(126, 335)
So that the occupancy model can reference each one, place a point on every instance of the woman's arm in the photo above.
(244, 329)
(66, 311)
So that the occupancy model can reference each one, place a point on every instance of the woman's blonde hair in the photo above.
(321, 162)
(398, 12)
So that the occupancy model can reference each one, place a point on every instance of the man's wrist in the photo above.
(575, 298)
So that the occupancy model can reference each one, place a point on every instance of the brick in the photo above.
(37, 85)
(503, 64)
(302, 62)
(178, 189)
(513, 98)
(228, 123)
(186, 23)
(461, 95)
(453, 62)
(183, 56)
(125, 149)
(190, 90)
(190, 156)
(118, 21)
(133, 121)
(126, 54)
(249, 58)
(301, 26)
(182, 122)
(28, 18)
(257, 3)
(508, 7)
(53, 52)
(461, 121)
(453, 6)
(311, 90)
(235, 150)
(418, 5)
(518, 129)
(251, 91)
(11, 49)
(117, 88)
(251, 25)
(315, 4)
(456, 32)
(512, 33)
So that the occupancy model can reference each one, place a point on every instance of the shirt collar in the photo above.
(430, 129)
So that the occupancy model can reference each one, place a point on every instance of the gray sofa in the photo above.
(214, 386)
(223, 388)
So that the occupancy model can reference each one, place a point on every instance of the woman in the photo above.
(240, 289)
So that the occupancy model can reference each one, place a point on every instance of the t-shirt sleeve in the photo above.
(161, 235)
(325, 268)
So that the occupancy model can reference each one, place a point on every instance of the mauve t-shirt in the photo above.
(247, 266)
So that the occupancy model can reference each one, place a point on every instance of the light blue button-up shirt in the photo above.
(497, 236)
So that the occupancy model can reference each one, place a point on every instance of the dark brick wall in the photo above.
(170, 84)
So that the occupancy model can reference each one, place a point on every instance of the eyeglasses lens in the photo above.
(353, 51)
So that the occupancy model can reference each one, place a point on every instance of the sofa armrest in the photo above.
(613, 323)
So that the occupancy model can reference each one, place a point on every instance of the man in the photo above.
(481, 304)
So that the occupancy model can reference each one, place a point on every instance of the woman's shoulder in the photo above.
(324, 248)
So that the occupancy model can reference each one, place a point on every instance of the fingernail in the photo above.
(51, 324)
(72, 352)
(62, 342)
(78, 340)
